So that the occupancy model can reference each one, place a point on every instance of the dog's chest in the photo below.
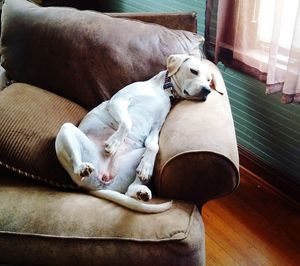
(145, 112)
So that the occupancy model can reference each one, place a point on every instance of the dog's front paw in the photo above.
(144, 171)
(85, 169)
(112, 145)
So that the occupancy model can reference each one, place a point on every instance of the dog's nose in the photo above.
(205, 90)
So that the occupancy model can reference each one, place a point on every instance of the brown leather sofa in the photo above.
(64, 62)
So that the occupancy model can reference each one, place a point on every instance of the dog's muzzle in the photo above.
(201, 96)
(204, 92)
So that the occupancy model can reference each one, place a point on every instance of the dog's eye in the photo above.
(194, 71)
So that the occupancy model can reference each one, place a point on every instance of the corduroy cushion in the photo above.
(83, 53)
(29, 121)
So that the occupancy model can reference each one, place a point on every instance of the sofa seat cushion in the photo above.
(83, 53)
(30, 119)
(79, 229)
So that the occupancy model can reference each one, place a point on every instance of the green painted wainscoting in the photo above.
(264, 127)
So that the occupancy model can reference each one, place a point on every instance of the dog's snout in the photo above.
(205, 90)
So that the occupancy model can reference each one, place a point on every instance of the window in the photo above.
(262, 38)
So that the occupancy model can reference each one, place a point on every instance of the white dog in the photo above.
(114, 148)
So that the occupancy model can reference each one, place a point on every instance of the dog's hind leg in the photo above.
(138, 190)
(77, 153)
(145, 169)
(118, 109)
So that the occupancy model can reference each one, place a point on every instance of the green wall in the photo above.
(263, 126)
(157, 6)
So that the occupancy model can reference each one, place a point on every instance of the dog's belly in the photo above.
(119, 166)
(99, 138)
(100, 125)
(116, 172)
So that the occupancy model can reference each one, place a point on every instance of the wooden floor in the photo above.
(256, 225)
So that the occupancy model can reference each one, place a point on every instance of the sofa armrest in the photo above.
(198, 156)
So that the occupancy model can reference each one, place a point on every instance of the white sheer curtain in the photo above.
(284, 56)
(261, 37)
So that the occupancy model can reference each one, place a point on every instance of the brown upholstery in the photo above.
(179, 21)
(86, 57)
(198, 157)
(40, 225)
(75, 53)
(30, 119)
(30, 134)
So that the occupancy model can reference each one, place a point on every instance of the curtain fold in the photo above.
(259, 37)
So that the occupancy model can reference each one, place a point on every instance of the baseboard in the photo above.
(269, 174)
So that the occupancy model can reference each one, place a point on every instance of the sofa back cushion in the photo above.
(84, 56)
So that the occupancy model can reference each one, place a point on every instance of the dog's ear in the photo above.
(214, 84)
(174, 62)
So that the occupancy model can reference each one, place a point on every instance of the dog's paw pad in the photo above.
(86, 169)
(108, 149)
(144, 196)
(140, 192)
(143, 193)
(111, 146)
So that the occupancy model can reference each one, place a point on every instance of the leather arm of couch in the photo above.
(198, 157)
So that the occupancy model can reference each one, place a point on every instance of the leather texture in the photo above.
(198, 157)
(179, 21)
(75, 53)
(86, 57)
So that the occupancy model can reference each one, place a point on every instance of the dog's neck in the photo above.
(168, 87)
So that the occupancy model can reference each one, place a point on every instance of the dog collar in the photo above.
(168, 85)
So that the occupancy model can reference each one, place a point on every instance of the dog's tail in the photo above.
(131, 203)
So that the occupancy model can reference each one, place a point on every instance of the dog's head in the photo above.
(192, 78)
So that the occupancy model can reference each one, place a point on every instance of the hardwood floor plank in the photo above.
(292, 225)
(267, 193)
(233, 236)
(269, 240)
(275, 207)
(216, 255)
(253, 226)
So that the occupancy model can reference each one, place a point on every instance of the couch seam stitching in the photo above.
(35, 177)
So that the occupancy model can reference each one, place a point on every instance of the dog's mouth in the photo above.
(201, 97)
